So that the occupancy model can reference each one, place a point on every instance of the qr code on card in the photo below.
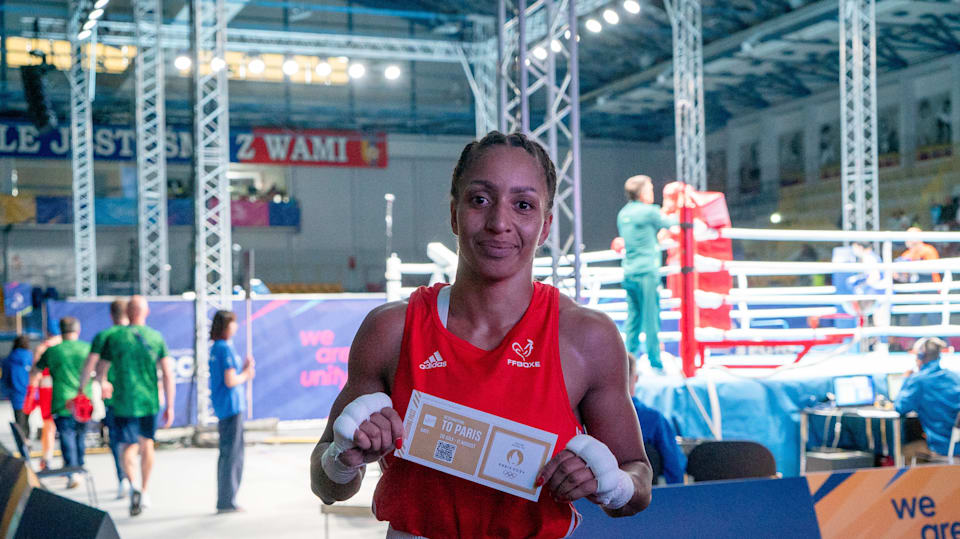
(444, 451)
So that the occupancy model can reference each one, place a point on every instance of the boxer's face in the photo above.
(501, 216)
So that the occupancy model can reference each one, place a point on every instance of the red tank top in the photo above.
(521, 379)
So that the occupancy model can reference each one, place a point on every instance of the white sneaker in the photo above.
(123, 490)
(145, 500)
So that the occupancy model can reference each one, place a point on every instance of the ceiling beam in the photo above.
(720, 47)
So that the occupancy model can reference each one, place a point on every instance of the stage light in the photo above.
(324, 69)
(631, 6)
(611, 16)
(356, 71)
(39, 107)
(95, 14)
(217, 63)
(776, 218)
(290, 67)
(89, 25)
(256, 66)
(101, 4)
(566, 34)
(555, 46)
(540, 53)
(392, 72)
(593, 25)
(83, 35)
(182, 62)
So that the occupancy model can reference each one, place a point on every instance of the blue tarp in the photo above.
(760, 410)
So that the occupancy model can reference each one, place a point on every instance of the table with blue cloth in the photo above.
(764, 410)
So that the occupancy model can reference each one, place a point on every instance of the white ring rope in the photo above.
(601, 272)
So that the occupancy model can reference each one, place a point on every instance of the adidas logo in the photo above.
(433, 362)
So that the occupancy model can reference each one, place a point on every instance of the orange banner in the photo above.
(922, 502)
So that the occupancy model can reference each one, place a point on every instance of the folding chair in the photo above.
(932, 458)
(656, 461)
(21, 440)
(717, 460)
(954, 437)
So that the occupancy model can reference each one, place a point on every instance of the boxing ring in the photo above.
(784, 345)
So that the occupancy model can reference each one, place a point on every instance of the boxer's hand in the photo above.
(378, 435)
(587, 468)
(366, 429)
(568, 478)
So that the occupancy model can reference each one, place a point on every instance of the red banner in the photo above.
(311, 147)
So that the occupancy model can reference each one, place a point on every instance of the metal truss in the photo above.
(213, 242)
(82, 78)
(176, 37)
(151, 158)
(481, 71)
(685, 18)
(858, 104)
(543, 67)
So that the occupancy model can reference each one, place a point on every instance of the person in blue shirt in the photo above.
(934, 393)
(229, 404)
(16, 378)
(658, 432)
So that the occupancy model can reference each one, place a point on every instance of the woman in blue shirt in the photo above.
(226, 392)
(16, 377)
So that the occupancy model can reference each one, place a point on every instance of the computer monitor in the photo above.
(894, 383)
(854, 390)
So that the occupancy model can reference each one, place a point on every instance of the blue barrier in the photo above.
(301, 348)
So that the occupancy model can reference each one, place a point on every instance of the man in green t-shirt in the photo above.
(66, 362)
(118, 313)
(638, 223)
(133, 354)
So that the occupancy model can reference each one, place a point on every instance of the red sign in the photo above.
(312, 148)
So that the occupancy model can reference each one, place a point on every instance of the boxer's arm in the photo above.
(609, 415)
(371, 364)
(596, 352)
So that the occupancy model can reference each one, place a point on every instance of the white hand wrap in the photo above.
(344, 429)
(614, 486)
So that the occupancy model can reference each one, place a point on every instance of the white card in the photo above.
(475, 445)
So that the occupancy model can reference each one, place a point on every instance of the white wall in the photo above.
(343, 216)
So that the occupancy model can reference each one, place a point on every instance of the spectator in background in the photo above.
(40, 395)
(934, 393)
(917, 250)
(658, 432)
(870, 282)
(118, 313)
(229, 404)
(65, 362)
(16, 378)
(137, 352)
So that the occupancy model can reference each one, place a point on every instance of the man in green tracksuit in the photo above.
(638, 223)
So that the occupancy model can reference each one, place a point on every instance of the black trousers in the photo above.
(230, 463)
(21, 420)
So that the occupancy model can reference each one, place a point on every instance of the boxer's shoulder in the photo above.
(376, 346)
(589, 339)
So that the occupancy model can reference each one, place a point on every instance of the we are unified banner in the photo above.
(921, 502)
(300, 346)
